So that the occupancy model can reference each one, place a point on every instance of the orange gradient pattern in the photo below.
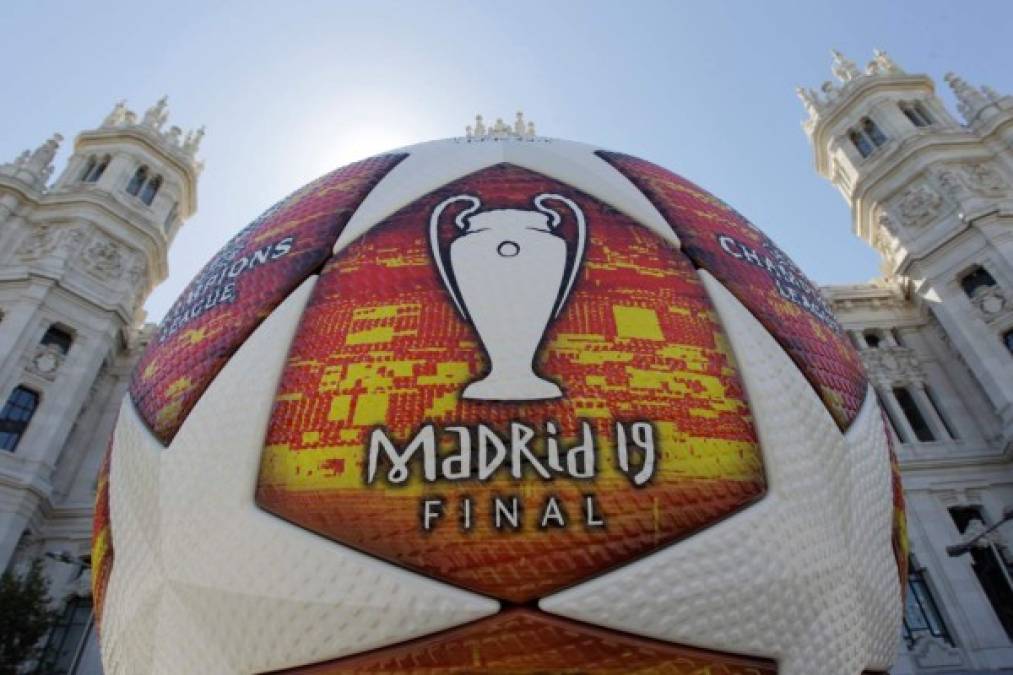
(241, 285)
(527, 641)
(718, 239)
(381, 345)
(102, 553)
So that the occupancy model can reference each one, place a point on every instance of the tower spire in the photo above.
(970, 101)
(843, 68)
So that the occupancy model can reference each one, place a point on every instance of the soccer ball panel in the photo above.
(198, 564)
(384, 354)
(241, 285)
(718, 239)
(429, 166)
(521, 640)
(780, 578)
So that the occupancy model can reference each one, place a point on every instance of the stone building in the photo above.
(78, 258)
(930, 192)
(933, 194)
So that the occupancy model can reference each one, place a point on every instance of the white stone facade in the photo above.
(934, 196)
(78, 257)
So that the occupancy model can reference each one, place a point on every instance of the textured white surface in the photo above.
(434, 164)
(806, 575)
(205, 582)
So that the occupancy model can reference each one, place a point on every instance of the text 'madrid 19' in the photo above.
(507, 404)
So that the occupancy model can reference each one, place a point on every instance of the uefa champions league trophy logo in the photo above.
(509, 272)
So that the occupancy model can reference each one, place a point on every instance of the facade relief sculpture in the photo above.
(893, 365)
(104, 259)
(917, 206)
(984, 178)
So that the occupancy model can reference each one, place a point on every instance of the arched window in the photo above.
(88, 168)
(976, 279)
(861, 143)
(916, 113)
(872, 339)
(135, 184)
(914, 415)
(58, 338)
(150, 190)
(16, 415)
(870, 129)
(97, 171)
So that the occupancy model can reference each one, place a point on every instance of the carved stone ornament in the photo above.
(990, 300)
(950, 183)
(71, 239)
(892, 365)
(984, 178)
(918, 205)
(883, 239)
(39, 243)
(104, 259)
(46, 361)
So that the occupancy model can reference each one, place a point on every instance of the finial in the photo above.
(117, 116)
(884, 64)
(810, 100)
(36, 166)
(521, 129)
(519, 126)
(155, 116)
(970, 101)
(844, 69)
(192, 141)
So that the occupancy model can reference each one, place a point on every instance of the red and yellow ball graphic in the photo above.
(514, 405)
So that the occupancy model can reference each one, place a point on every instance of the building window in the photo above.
(138, 180)
(89, 168)
(916, 113)
(975, 280)
(914, 416)
(59, 338)
(870, 129)
(872, 339)
(988, 564)
(67, 639)
(861, 143)
(16, 415)
(866, 137)
(921, 614)
(94, 169)
(1007, 339)
(150, 190)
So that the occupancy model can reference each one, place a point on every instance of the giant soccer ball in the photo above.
(499, 405)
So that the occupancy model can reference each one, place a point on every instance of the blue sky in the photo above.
(290, 90)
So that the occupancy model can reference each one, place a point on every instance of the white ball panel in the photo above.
(871, 535)
(781, 578)
(204, 581)
(434, 164)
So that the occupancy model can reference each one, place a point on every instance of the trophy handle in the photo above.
(554, 220)
(434, 241)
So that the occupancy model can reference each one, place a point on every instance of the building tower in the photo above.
(934, 196)
(77, 260)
